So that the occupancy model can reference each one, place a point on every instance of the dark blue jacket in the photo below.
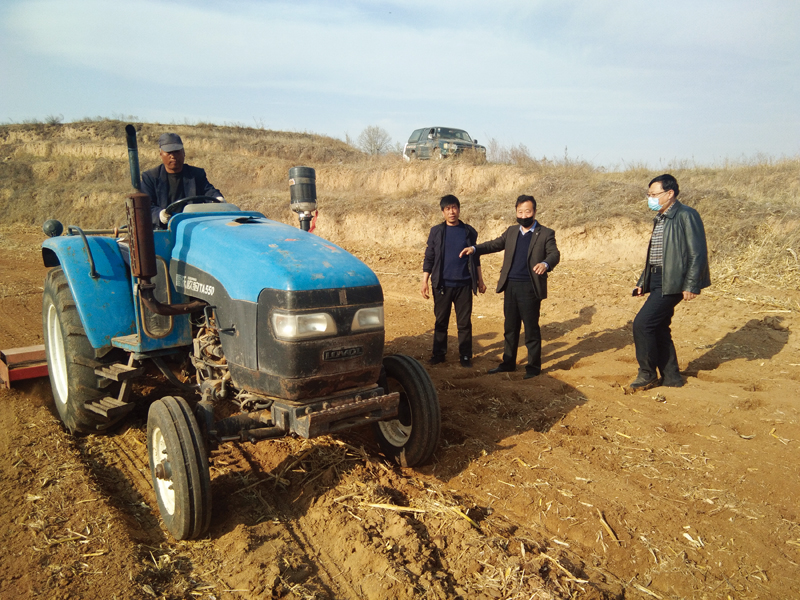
(156, 185)
(434, 256)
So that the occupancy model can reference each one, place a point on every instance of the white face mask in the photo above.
(652, 203)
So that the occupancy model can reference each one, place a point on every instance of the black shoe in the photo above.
(436, 359)
(531, 374)
(466, 361)
(673, 382)
(642, 383)
(502, 368)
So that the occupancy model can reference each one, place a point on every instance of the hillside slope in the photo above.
(78, 173)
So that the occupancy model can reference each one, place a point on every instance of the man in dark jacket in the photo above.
(173, 180)
(454, 278)
(676, 269)
(530, 254)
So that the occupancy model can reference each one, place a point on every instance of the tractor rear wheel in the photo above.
(69, 355)
(179, 466)
(412, 437)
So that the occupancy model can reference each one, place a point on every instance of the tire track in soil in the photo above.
(133, 463)
(134, 459)
(352, 551)
(361, 552)
(134, 470)
(123, 464)
(322, 565)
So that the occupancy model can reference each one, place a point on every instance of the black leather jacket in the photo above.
(685, 254)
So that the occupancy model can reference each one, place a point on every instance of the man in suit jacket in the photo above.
(530, 254)
(173, 180)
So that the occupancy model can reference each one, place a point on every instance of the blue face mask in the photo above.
(652, 203)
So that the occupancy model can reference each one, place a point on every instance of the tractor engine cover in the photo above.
(252, 270)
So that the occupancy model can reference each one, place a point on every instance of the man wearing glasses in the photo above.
(676, 269)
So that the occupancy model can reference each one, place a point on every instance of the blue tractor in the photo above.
(269, 331)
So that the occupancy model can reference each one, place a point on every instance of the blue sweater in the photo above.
(455, 270)
(519, 265)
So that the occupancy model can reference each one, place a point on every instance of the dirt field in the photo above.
(557, 487)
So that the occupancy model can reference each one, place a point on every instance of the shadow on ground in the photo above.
(758, 339)
(481, 412)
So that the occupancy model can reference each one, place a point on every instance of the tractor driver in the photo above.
(173, 180)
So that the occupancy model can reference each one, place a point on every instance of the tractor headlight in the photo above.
(297, 327)
(368, 318)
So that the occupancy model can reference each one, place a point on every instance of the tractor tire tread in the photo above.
(191, 483)
(81, 382)
(424, 407)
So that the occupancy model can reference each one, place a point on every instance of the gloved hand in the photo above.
(163, 217)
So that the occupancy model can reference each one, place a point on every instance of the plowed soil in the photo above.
(561, 486)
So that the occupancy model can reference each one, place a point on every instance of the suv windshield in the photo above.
(458, 134)
(416, 135)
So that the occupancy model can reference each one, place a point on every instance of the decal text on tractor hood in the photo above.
(190, 284)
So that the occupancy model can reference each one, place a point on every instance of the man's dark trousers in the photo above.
(461, 298)
(651, 332)
(521, 307)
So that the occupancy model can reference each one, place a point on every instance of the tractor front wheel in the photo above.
(411, 437)
(179, 466)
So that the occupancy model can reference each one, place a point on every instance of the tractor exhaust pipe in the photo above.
(140, 228)
(303, 192)
(143, 258)
(133, 157)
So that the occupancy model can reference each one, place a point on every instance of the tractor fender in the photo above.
(104, 302)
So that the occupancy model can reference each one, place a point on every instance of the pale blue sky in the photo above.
(628, 81)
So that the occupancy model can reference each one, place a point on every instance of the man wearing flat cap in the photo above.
(173, 180)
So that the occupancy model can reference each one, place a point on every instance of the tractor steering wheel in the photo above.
(178, 205)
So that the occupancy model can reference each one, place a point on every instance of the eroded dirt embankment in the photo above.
(78, 173)
(621, 243)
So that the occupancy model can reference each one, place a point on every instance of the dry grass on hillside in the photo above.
(78, 173)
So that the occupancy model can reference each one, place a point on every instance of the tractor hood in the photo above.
(246, 252)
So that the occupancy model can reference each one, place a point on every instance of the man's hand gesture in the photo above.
(424, 288)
